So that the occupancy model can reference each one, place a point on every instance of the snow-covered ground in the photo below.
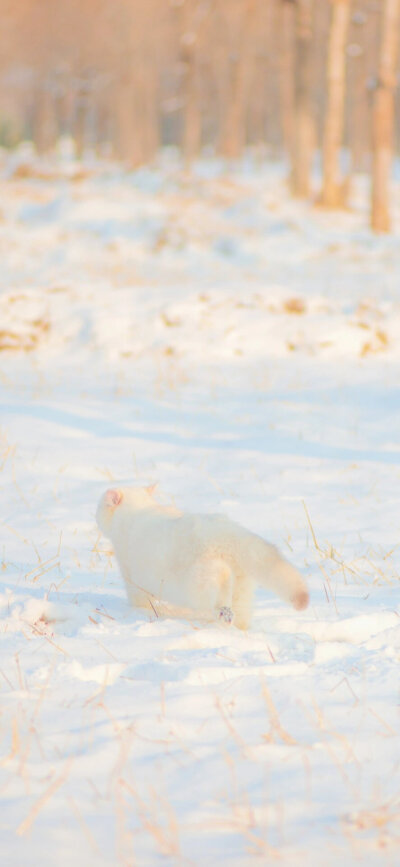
(206, 332)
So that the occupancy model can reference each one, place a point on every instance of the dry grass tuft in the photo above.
(376, 818)
(378, 342)
(32, 171)
(25, 340)
(295, 306)
(43, 799)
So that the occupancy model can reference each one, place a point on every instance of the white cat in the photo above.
(203, 562)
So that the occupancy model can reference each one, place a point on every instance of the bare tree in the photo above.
(383, 116)
(357, 118)
(332, 188)
(233, 120)
(286, 71)
(189, 47)
(284, 75)
(303, 132)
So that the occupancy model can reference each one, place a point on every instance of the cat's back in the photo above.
(212, 529)
(167, 527)
(150, 527)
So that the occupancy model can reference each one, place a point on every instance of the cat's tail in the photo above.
(272, 571)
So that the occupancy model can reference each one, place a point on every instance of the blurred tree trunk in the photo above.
(256, 119)
(286, 72)
(45, 130)
(272, 96)
(189, 47)
(233, 120)
(332, 195)
(191, 131)
(357, 102)
(126, 132)
(303, 132)
(151, 125)
(79, 126)
(383, 116)
(128, 111)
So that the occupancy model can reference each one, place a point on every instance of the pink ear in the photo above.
(112, 498)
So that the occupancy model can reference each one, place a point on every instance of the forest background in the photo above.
(126, 77)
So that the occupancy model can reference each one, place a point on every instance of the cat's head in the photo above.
(116, 499)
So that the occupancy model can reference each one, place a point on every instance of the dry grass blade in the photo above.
(46, 637)
(7, 679)
(83, 825)
(235, 734)
(166, 836)
(43, 571)
(104, 614)
(15, 742)
(276, 729)
(43, 799)
(311, 528)
(37, 568)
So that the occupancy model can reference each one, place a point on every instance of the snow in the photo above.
(203, 331)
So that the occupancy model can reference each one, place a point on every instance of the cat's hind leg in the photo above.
(225, 614)
(213, 584)
(141, 599)
(242, 602)
(138, 596)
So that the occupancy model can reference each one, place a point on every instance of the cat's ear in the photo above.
(151, 489)
(112, 498)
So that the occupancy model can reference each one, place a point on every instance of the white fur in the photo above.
(204, 562)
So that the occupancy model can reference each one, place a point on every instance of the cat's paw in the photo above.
(226, 614)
